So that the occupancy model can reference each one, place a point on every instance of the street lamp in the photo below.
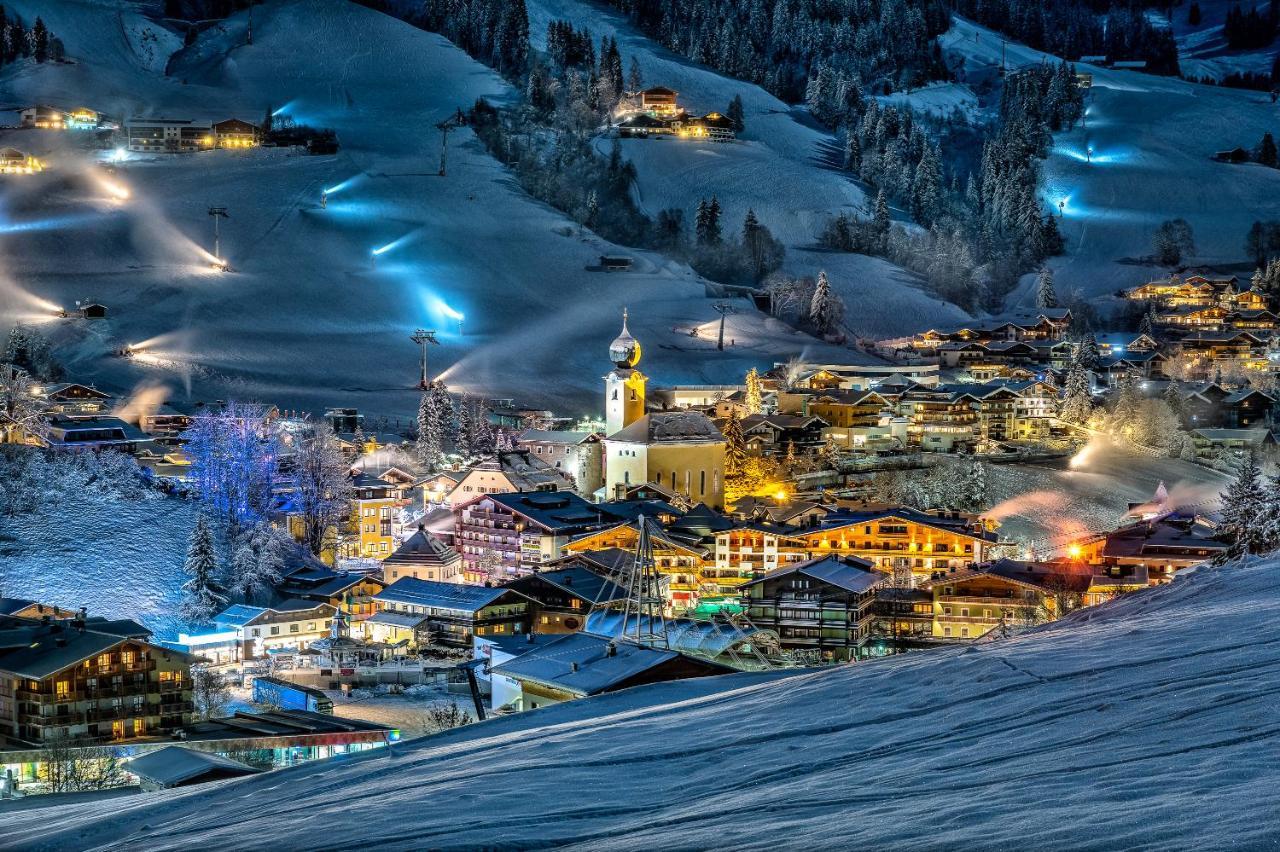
(1062, 208)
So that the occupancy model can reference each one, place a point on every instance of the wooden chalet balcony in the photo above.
(969, 600)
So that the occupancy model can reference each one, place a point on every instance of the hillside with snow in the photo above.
(1140, 724)
(309, 318)
(1152, 140)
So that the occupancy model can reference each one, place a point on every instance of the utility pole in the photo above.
(422, 337)
(723, 308)
(218, 213)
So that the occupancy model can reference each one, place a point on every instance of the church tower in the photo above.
(624, 386)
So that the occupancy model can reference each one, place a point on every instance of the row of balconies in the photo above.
(106, 714)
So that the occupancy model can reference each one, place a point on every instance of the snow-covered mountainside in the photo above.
(1145, 723)
(783, 167)
(307, 318)
(1152, 140)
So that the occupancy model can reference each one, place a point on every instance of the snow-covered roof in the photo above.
(174, 765)
(670, 427)
(430, 593)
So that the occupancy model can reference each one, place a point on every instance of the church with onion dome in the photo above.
(682, 451)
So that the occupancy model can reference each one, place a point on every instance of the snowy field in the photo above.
(1202, 48)
(118, 558)
(1044, 508)
(1152, 138)
(308, 318)
(1139, 724)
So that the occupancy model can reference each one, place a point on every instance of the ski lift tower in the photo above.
(724, 309)
(444, 127)
(423, 337)
(218, 213)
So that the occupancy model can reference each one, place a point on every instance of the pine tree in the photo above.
(735, 451)
(1244, 506)
(1147, 325)
(40, 41)
(736, 114)
(700, 226)
(1077, 401)
(435, 423)
(635, 82)
(974, 490)
(789, 460)
(754, 401)
(258, 561)
(1173, 398)
(1046, 295)
(1267, 151)
(713, 222)
(824, 308)
(880, 222)
(202, 597)
(1087, 351)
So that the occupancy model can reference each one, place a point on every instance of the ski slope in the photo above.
(309, 317)
(1152, 139)
(1139, 724)
(783, 167)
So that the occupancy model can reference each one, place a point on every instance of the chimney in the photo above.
(611, 650)
(573, 666)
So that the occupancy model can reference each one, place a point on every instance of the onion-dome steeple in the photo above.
(624, 352)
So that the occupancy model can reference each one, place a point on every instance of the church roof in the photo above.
(671, 427)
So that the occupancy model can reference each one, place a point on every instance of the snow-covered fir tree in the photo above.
(1077, 400)
(258, 559)
(1046, 295)
(973, 488)
(202, 596)
(735, 450)
(825, 309)
(754, 396)
(435, 425)
(1244, 510)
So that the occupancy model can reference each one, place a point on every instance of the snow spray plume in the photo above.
(146, 398)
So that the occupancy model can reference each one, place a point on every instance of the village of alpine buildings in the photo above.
(559, 367)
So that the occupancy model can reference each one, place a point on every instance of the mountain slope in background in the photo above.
(1148, 722)
(309, 318)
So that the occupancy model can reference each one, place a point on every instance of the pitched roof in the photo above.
(175, 765)
(851, 517)
(574, 580)
(422, 548)
(554, 511)
(430, 593)
(582, 663)
(850, 573)
(671, 427)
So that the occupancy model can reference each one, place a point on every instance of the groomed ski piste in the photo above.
(1148, 722)
(320, 302)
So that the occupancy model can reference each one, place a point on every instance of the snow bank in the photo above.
(1148, 722)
